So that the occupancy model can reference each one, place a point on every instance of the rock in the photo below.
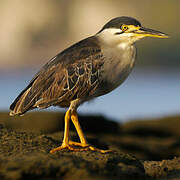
(144, 149)
(166, 169)
(26, 155)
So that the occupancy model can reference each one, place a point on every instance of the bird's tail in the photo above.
(23, 102)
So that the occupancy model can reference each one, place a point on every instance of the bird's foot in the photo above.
(78, 144)
(92, 148)
(87, 147)
(63, 146)
(82, 147)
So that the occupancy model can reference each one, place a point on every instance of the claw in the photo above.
(99, 150)
(63, 146)
(78, 144)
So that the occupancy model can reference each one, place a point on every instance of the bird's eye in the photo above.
(124, 27)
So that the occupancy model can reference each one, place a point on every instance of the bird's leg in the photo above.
(74, 118)
(66, 128)
(85, 146)
(65, 143)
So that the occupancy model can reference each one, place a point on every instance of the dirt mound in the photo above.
(25, 143)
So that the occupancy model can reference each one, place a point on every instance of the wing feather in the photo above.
(72, 74)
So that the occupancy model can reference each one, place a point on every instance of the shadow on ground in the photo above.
(143, 149)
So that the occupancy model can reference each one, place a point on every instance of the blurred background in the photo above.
(34, 31)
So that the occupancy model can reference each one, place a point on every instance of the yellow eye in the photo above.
(124, 27)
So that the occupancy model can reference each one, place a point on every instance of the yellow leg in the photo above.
(65, 143)
(75, 121)
(85, 146)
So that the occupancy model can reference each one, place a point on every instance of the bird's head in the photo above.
(126, 30)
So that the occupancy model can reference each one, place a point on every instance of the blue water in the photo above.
(146, 93)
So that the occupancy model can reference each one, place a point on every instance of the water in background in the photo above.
(146, 93)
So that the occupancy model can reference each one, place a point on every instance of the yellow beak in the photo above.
(150, 33)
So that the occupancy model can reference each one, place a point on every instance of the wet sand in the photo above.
(142, 149)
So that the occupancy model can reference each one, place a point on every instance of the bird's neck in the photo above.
(109, 39)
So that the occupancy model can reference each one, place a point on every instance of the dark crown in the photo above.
(119, 21)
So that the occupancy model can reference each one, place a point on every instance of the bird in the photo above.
(88, 69)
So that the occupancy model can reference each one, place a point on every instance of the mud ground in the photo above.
(142, 149)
